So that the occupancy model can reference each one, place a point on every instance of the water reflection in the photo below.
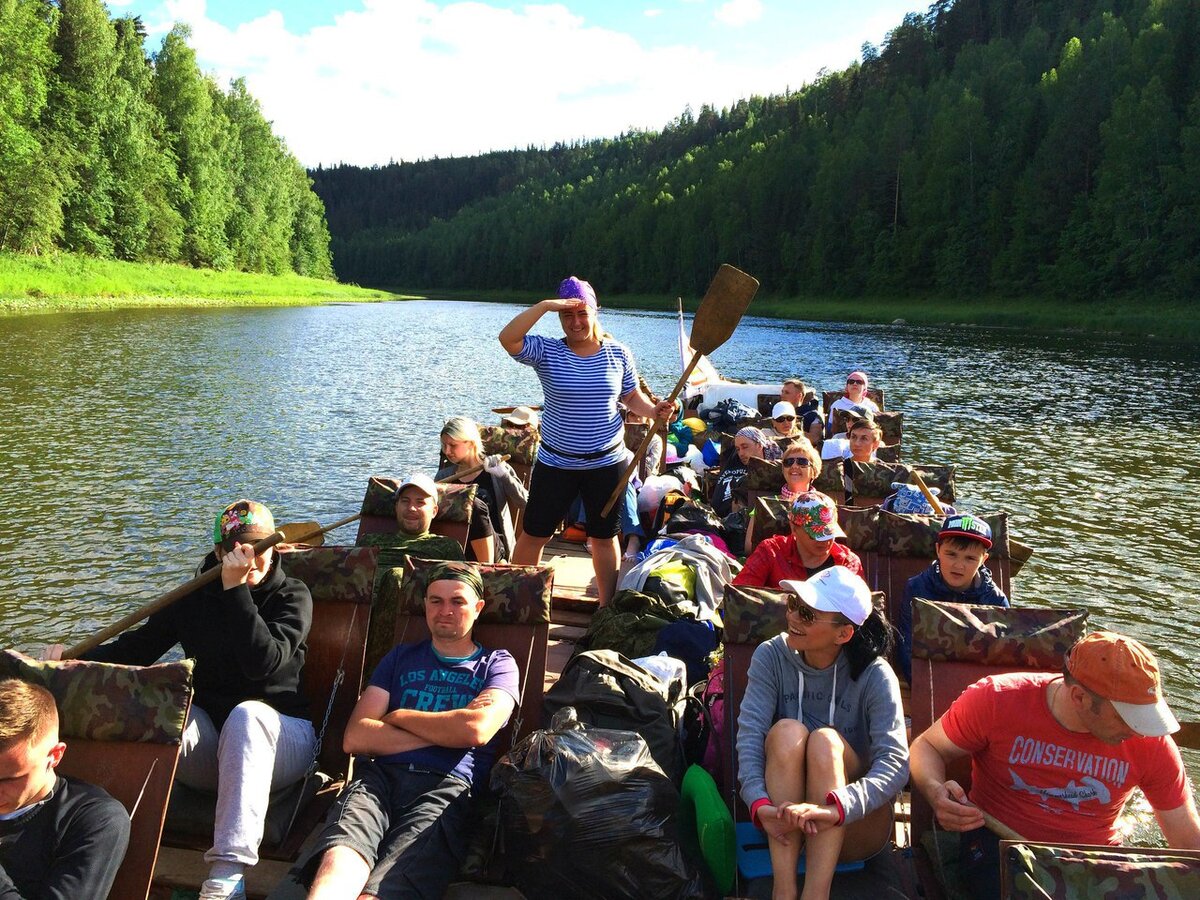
(124, 432)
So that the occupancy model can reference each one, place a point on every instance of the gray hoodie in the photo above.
(867, 714)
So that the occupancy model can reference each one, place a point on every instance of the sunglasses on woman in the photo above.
(855, 381)
(807, 614)
(785, 418)
(802, 461)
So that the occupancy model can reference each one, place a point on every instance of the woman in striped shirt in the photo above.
(582, 452)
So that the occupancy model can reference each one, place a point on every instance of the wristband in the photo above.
(833, 798)
(755, 807)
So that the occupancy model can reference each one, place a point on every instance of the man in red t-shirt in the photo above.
(1054, 757)
(809, 549)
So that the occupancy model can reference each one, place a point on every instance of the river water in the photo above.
(123, 433)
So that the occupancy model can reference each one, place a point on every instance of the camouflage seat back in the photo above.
(515, 617)
(828, 398)
(1035, 871)
(763, 475)
(122, 725)
(520, 445)
(830, 480)
(379, 509)
(889, 454)
(106, 702)
(873, 481)
(341, 580)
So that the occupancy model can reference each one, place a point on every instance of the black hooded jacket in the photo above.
(247, 644)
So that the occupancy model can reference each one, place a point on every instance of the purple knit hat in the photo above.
(577, 289)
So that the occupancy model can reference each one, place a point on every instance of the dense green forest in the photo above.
(988, 147)
(108, 152)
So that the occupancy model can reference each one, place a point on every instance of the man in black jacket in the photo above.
(249, 729)
(59, 837)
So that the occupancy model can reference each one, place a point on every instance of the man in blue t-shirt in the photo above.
(422, 730)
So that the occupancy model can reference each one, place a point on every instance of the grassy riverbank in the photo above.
(1162, 320)
(65, 282)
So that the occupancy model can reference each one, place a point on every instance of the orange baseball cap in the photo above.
(1124, 672)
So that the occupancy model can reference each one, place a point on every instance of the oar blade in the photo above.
(723, 306)
(308, 533)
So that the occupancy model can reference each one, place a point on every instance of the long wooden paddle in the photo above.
(722, 308)
(311, 533)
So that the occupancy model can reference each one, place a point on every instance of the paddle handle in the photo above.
(208, 575)
(999, 829)
(933, 501)
(645, 445)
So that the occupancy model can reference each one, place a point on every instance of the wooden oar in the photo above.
(938, 509)
(293, 533)
(722, 308)
(298, 533)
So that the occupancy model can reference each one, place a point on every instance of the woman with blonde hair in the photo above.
(497, 487)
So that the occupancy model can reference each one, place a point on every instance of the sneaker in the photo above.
(223, 889)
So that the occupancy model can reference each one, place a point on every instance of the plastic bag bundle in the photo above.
(588, 814)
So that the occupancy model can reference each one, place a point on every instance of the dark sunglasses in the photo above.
(785, 418)
(807, 614)
(802, 461)
(855, 381)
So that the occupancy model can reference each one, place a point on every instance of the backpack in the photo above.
(728, 414)
(716, 747)
(609, 691)
(629, 624)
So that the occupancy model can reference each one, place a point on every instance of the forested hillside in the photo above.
(107, 152)
(989, 147)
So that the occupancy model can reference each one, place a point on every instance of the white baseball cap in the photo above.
(835, 589)
(782, 408)
(422, 483)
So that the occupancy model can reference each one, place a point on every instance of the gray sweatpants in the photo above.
(257, 750)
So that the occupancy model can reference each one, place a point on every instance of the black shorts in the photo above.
(410, 825)
(552, 490)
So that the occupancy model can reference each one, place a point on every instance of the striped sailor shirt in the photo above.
(580, 416)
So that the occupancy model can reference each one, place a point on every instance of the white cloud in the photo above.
(652, 13)
(736, 13)
(409, 79)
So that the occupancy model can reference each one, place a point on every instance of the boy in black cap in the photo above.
(957, 576)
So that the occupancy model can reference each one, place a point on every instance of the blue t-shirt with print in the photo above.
(417, 677)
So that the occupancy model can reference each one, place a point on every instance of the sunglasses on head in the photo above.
(855, 381)
(785, 418)
(802, 461)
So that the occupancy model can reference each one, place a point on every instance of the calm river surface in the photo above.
(123, 433)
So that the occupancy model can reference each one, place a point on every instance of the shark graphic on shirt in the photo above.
(1074, 794)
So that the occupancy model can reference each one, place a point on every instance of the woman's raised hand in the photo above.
(558, 304)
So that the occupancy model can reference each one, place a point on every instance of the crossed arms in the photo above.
(375, 731)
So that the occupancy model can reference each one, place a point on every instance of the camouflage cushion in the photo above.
(890, 454)
(875, 479)
(830, 479)
(874, 530)
(346, 574)
(519, 444)
(454, 500)
(106, 702)
(752, 615)
(1017, 637)
(762, 475)
(892, 424)
(1039, 871)
(519, 594)
(770, 517)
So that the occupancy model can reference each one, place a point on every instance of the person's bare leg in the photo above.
(341, 875)
(528, 551)
(484, 549)
(606, 563)
(785, 751)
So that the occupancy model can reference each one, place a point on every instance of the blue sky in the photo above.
(365, 81)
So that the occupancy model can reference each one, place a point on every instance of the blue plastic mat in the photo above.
(754, 859)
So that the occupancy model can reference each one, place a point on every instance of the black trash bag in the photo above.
(694, 516)
(588, 814)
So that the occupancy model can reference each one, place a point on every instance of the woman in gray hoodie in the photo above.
(821, 744)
